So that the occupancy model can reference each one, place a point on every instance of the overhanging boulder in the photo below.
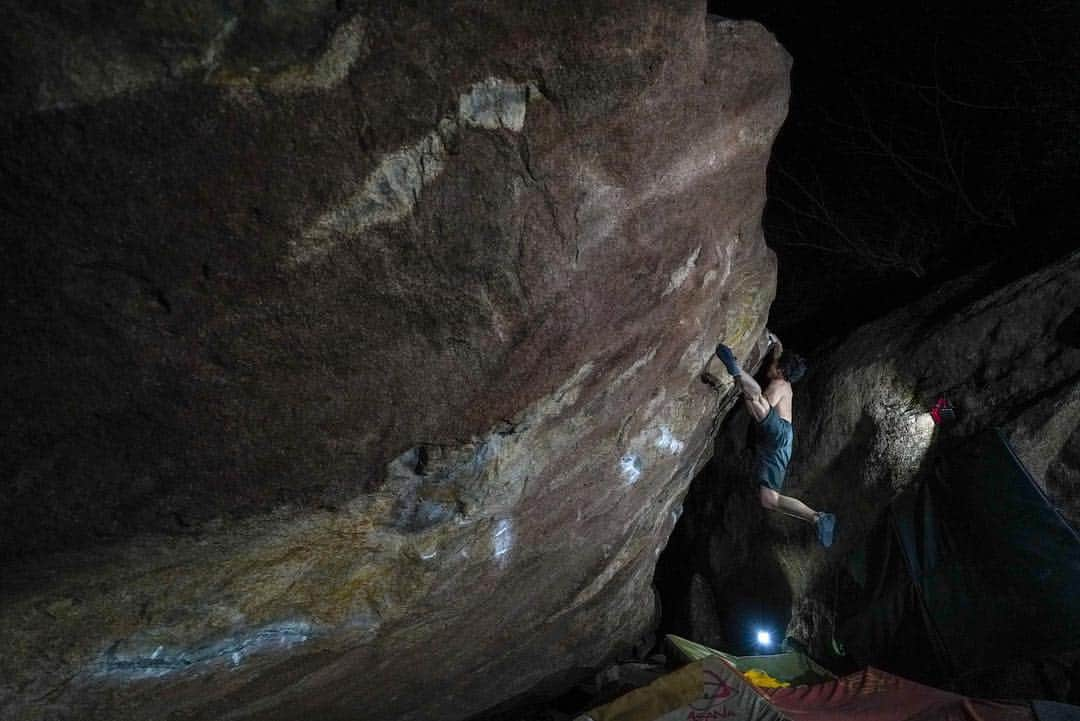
(352, 356)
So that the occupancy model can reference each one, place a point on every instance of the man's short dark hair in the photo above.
(792, 367)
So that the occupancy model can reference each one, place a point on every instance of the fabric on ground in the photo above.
(763, 680)
(874, 695)
(692, 650)
(790, 667)
(706, 690)
(711, 689)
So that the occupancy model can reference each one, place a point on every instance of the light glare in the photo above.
(764, 638)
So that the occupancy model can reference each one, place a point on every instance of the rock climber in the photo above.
(771, 409)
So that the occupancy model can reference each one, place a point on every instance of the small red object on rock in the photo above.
(942, 411)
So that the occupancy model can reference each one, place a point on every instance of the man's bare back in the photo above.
(779, 394)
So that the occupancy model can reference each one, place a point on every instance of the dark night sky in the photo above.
(922, 140)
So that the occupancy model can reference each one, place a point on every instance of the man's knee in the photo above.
(769, 498)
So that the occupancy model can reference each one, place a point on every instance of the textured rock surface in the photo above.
(352, 351)
(1006, 357)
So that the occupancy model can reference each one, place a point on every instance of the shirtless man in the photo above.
(771, 409)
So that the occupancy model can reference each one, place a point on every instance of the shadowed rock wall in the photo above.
(351, 350)
(1006, 356)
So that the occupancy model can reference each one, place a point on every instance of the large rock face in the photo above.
(1006, 357)
(351, 351)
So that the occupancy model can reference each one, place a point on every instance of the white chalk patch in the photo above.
(680, 274)
(502, 540)
(630, 468)
(668, 443)
(429, 555)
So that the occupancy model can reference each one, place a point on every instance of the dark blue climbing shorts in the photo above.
(774, 435)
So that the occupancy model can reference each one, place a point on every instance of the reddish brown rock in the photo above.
(352, 355)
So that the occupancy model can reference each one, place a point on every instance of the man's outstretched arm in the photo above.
(751, 391)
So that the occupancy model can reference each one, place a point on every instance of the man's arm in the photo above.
(751, 391)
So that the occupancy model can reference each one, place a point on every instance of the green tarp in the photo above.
(972, 571)
(790, 667)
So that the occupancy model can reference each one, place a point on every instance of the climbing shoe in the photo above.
(728, 359)
(826, 529)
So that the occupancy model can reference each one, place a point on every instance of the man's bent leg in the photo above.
(824, 523)
(787, 505)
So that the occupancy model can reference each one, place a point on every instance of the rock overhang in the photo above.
(475, 408)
